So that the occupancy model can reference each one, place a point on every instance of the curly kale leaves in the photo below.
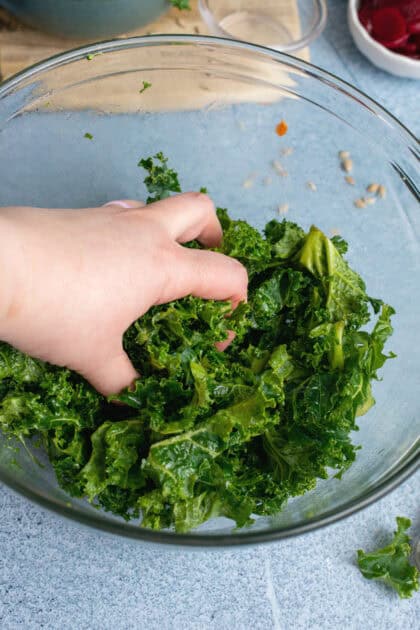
(391, 564)
(161, 180)
(203, 432)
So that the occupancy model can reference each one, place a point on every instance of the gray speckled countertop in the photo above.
(55, 574)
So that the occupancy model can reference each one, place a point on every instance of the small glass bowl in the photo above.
(284, 25)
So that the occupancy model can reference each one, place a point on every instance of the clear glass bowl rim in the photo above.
(404, 470)
(298, 44)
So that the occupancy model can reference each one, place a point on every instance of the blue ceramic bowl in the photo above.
(86, 18)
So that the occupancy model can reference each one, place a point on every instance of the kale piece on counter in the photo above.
(391, 564)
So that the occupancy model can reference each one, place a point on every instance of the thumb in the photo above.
(112, 375)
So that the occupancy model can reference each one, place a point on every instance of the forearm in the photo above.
(9, 274)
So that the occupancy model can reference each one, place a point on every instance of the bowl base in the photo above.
(256, 27)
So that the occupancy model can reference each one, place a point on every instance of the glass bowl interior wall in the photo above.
(212, 109)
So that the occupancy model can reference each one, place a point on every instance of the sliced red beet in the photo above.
(395, 24)
(365, 17)
(397, 43)
(410, 9)
(414, 27)
(382, 4)
(389, 26)
(409, 48)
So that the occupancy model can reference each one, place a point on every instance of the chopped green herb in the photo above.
(88, 136)
(181, 4)
(391, 564)
(146, 85)
(91, 56)
(206, 433)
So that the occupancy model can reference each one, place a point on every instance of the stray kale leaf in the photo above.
(146, 86)
(391, 564)
(181, 4)
(206, 433)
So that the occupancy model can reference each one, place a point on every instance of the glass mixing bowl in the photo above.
(213, 109)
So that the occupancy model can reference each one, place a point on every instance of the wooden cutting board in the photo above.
(21, 46)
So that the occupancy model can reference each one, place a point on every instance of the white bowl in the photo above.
(376, 53)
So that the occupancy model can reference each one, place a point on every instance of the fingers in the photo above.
(189, 216)
(222, 345)
(113, 375)
(205, 274)
(185, 217)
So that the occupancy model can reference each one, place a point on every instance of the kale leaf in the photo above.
(181, 4)
(206, 433)
(391, 564)
(161, 180)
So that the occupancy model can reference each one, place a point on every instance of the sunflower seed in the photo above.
(250, 181)
(283, 209)
(360, 203)
(373, 188)
(311, 186)
(347, 165)
(369, 200)
(382, 191)
(350, 180)
(279, 168)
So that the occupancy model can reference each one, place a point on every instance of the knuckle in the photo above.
(242, 283)
(241, 272)
(203, 201)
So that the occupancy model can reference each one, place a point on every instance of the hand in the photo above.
(73, 281)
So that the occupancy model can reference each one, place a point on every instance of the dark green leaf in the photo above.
(181, 4)
(391, 564)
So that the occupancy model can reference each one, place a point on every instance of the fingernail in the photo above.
(121, 204)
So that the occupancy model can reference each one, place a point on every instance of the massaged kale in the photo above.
(203, 432)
